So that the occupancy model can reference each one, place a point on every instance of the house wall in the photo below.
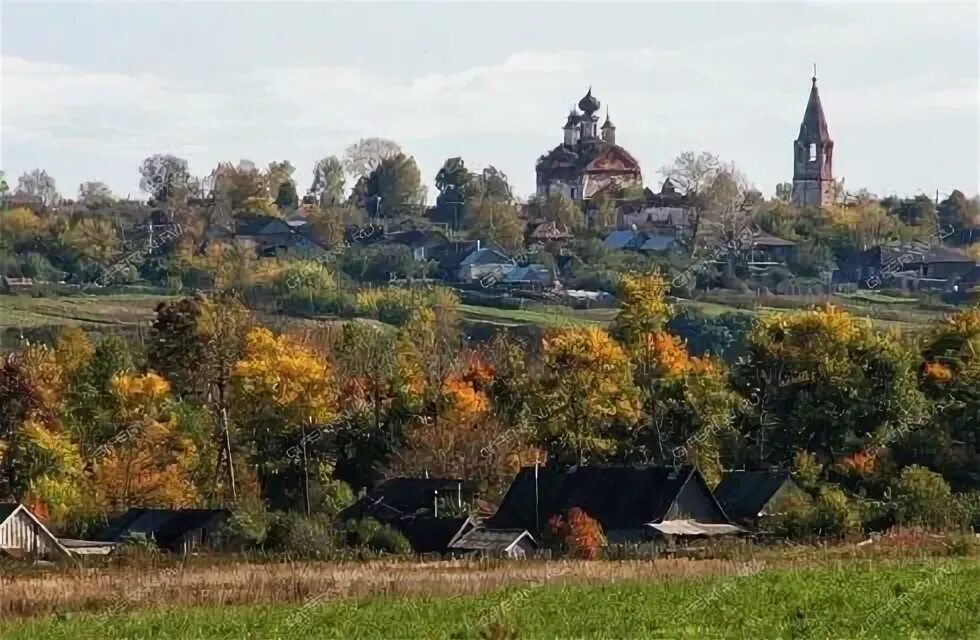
(20, 532)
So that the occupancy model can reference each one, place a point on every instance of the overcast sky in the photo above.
(90, 89)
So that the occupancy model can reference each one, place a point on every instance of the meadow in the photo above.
(857, 598)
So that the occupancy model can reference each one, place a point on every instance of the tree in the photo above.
(165, 177)
(278, 173)
(578, 533)
(242, 186)
(959, 212)
(693, 173)
(396, 181)
(922, 497)
(287, 390)
(452, 181)
(784, 191)
(825, 382)
(38, 184)
(328, 182)
(917, 211)
(644, 307)
(150, 463)
(286, 197)
(367, 154)
(495, 219)
(94, 194)
(587, 388)
(559, 208)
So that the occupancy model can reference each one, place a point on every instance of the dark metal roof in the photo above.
(7, 509)
(165, 526)
(814, 125)
(588, 103)
(743, 494)
(618, 496)
(403, 496)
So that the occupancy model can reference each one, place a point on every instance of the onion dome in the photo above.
(588, 104)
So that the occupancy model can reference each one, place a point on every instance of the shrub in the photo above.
(834, 514)
(307, 537)
(386, 539)
(922, 497)
(577, 534)
(247, 527)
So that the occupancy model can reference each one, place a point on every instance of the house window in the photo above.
(813, 152)
(573, 193)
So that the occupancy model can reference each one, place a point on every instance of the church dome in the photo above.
(589, 104)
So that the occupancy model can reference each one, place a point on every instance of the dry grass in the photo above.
(119, 589)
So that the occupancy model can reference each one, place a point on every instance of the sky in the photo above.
(90, 89)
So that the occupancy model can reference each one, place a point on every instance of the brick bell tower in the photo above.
(813, 156)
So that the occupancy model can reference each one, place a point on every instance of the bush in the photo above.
(247, 527)
(577, 534)
(386, 539)
(922, 497)
(311, 537)
(834, 515)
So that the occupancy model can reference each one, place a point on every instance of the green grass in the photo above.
(858, 599)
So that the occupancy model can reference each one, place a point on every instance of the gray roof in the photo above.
(620, 239)
(485, 256)
(658, 243)
(490, 539)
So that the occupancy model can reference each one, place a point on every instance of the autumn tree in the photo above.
(149, 462)
(287, 392)
(577, 533)
(196, 343)
(587, 389)
(825, 382)
(395, 182)
(558, 208)
(644, 308)
(950, 377)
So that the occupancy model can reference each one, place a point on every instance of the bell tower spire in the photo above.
(813, 155)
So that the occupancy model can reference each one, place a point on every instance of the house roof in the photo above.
(484, 256)
(480, 539)
(165, 526)
(582, 155)
(693, 528)
(428, 534)
(743, 494)
(402, 496)
(621, 239)
(261, 225)
(618, 496)
(657, 243)
(9, 509)
(530, 273)
(919, 254)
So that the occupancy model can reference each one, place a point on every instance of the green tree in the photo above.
(452, 181)
(922, 497)
(165, 177)
(559, 208)
(396, 182)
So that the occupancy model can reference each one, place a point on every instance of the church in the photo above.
(588, 160)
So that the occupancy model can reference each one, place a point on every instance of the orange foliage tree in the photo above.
(577, 533)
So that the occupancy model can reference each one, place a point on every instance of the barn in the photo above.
(24, 537)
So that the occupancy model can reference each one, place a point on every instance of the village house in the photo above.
(416, 508)
(24, 537)
(632, 503)
(175, 530)
(748, 496)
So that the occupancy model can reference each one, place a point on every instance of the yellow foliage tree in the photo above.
(644, 306)
(149, 462)
(588, 387)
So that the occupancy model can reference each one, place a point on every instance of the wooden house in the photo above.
(175, 530)
(412, 506)
(632, 503)
(507, 543)
(747, 496)
(23, 536)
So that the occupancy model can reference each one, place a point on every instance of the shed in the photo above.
(509, 543)
(23, 536)
(748, 495)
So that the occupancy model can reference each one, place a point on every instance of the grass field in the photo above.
(855, 599)
(126, 312)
